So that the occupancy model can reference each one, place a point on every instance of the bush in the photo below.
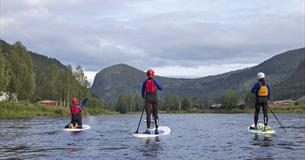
(58, 111)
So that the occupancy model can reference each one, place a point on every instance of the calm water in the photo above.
(196, 136)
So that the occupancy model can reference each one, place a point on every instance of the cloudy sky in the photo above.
(177, 38)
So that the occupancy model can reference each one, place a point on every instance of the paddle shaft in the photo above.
(140, 120)
(277, 118)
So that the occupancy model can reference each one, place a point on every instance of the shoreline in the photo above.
(16, 110)
(277, 109)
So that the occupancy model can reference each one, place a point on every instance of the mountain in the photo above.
(292, 86)
(110, 82)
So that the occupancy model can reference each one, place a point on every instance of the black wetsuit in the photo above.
(151, 101)
(151, 106)
(261, 101)
(75, 118)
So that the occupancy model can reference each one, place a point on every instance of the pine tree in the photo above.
(122, 103)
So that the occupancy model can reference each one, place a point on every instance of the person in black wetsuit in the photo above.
(76, 117)
(262, 90)
(149, 93)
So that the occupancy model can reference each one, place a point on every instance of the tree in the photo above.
(186, 104)
(23, 79)
(122, 103)
(80, 76)
(5, 73)
(139, 103)
(171, 103)
(230, 99)
(51, 85)
(250, 99)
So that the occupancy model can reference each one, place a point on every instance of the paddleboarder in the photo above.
(149, 93)
(262, 90)
(76, 117)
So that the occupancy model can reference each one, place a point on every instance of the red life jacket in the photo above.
(75, 110)
(150, 86)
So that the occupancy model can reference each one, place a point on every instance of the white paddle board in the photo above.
(84, 127)
(163, 130)
(260, 129)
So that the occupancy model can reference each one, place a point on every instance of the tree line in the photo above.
(38, 81)
(132, 103)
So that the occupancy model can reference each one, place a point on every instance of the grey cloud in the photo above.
(97, 34)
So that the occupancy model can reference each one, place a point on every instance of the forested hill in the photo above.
(35, 77)
(292, 86)
(280, 70)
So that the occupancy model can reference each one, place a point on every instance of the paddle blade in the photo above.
(84, 102)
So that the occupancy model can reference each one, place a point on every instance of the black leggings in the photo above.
(261, 101)
(76, 119)
(151, 106)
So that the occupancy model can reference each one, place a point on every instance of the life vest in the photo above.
(75, 109)
(150, 86)
(263, 91)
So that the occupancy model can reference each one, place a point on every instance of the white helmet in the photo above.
(260, 75)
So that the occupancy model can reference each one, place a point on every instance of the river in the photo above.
(194, 136)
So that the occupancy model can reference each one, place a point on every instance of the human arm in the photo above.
(269, 90)
(158, 85)
(255, 88)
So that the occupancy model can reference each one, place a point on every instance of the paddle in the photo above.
(84, 103)
(140, 120)
(277, 119)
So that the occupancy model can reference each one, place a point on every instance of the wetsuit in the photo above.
(261, 101)
(151, 102)
(76, 116)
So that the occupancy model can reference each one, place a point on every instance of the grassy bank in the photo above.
(289, 109)
(26, 109)
(285, 109)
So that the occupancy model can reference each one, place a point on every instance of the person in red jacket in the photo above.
(149, 93)
(76, 117)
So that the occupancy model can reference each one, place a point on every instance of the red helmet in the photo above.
(74, 100)
(150, 73)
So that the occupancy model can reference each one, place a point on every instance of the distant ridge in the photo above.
(113, 80)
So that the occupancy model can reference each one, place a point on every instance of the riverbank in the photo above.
(280, 109)
(26, 109)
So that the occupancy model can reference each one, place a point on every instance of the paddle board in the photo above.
(163, 130)
(260, 129)
(85, 127)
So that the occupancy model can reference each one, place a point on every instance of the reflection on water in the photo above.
(151, 147)
(265, 143)
(263, 140)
